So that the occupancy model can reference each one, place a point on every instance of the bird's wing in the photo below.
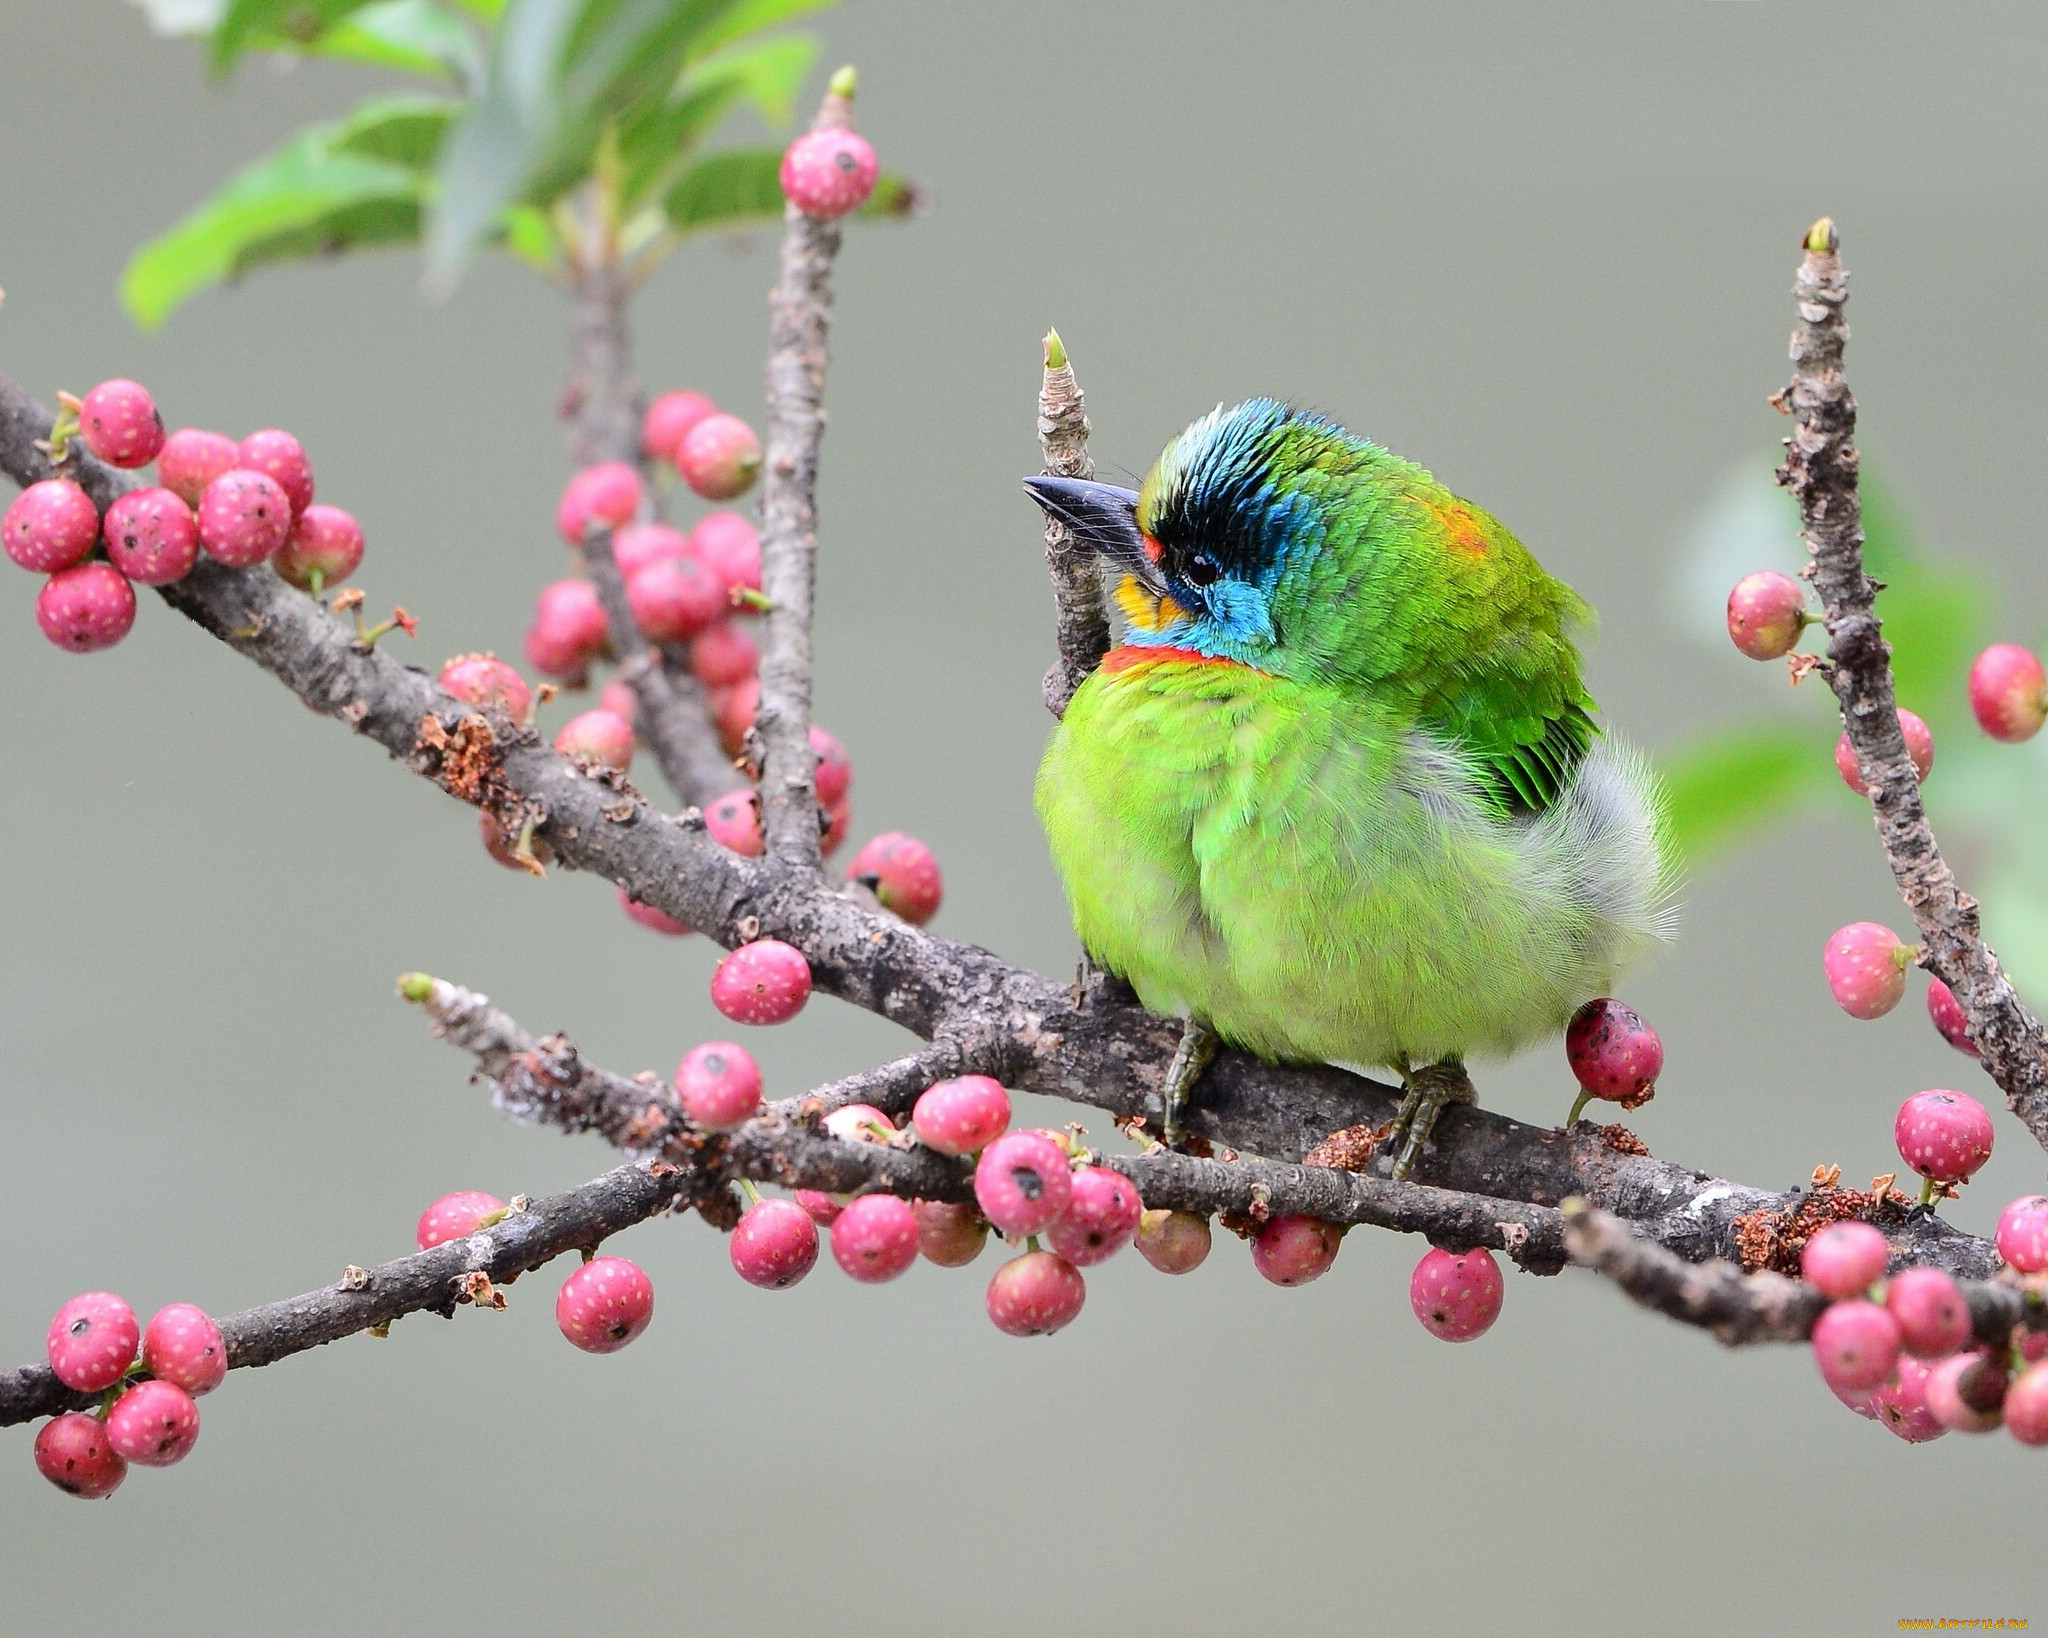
(1525, 734)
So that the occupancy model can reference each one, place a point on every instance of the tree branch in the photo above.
(1080, 621)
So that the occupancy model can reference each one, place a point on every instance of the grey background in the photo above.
(1546, 250)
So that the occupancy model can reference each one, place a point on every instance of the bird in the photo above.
(1338, 793)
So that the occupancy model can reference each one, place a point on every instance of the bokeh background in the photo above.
(1545, 250)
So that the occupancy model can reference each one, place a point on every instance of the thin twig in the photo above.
(1081, 624)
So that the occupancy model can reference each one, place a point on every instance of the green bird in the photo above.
(1339, 796)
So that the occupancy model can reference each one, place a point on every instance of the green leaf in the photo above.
(655, 139)
(401, 130)
(895, 197)
(417, 36)
(530, 236)
(754, 17)
(1723, 785)
(248, 24)
(731, 189)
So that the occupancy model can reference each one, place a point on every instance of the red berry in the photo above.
(668, 418)
(324, 548)
(766, 982)
(719, 1084)
(835, 772)
(568, 629)
(1457, 1296)
(87, 608)
(1023, 1182)
(838, 821)
(597, 736)
(182, 1345)
(73, 1453)
(774, 1245)
(1856, 1345)
(722, 654)
(674, 598)
(2023, 1234)
(1174, 1242)
(647, 916)
(902, 873)
(1766, 613)
(962, 1115)
(50, 526)
(948, 1233)
(1966, 1392)
(640, 545)
(1035, 1295)
(730, 547)
(500, 843)
(279, 456)
(1102, 1215)
(736, 707)
(1292, 1250)
(821, 1209)
(719, 457)
(603, 496)
(1866, 968)
(734, 821)
(875, 1238)
(860, 1123)
(1613, 1053)
(119, 423)
(1949, 1017)
(243, 517)
(192, 459)
(92, 1341)
(1929, 1310)
(604, 1305)
(484, 680)
(1943, 1135)
(152, 536)
(2026, 1406)
(1901, 1406)
(456, 1217)
(1845, 1259)
(2034, 1346)
(829, 172)
(1919, 746)
(154, 1424)
(619, 699)
(2009, 693)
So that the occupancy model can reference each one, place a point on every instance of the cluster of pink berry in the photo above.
(242, 503)
(1902, 1352)
(147, 1413)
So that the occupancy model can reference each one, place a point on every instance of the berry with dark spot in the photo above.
(719, 457)
(838, 821)
(829, 172)
(875, 1238)
(280, 457)
(1866, 968)
(1174, 1242)
(119, 422)
(903, 874)
(153, 1424)
(324, 548)
(74, 1454)
(1901, 1406)
(2009, 693)
(183, 1345)
(963, 1115)
(1035, 1295)
(92, 1341)
(1292, 1249)
(1856, 1345)
(456, 1217)
(1456, 1295)
(1102, 1215)
(774, 1245)
(949, 1233)
(1845, 1259)
(1023, 1182)
(1613, 1054)
(719, 1085)
(765, 982)
(152, 536)
(1929, 1310)
(835, 772)
(604, 1305)
(860, 1123)
(50, 526)
(1944, 1136)
(191, 459)
(244, 516)
(87, 608)
(734, 821)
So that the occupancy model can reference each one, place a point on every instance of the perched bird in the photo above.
(1339, 796)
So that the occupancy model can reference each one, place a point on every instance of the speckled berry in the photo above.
(821, 1209)
(152, 536)
(1766, 613)
(604, 1305)
(243, 517)
(1023, 1182)
(86, 608)
(722, 654)
(875, 1238)
(1101, 1218)
(1174, 1242)
(766, 982)
(1856, 1345)
(484, 680)
(1456, 1295)
(828, 173)
(1919, 747)
(154, 1424)
(642, 545)
(719, 457)
(962, 1115)
(1929, 1310)
(734, 821)
(282, 458)
(719, 1085)
(1035, 1295)
(74, 1454)
(647, 916)
(324, 548)
(674, 598)
(182, 1345)
(191, 459)
(597, 736)
(1966, 1392)
(774, 1245)
(119, 422)
(2009, 693)
(604, 496)
(859, 1123)
(1944, 1136)
(902, 873)
(2026, 1406)
(92, 1341)
(1901, 1405)
(949, 1233)
(1613, 1054)
(50, 526)
(1866, 968)
(1948, 1016)
(1845, 1259)
(456, 1216)
(1292, 1250)
(729, 546)
(2023, 1234)
(668, 418)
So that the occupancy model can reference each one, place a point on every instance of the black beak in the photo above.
(1104, 519)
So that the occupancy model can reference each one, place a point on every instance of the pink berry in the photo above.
(500, 844)
(119, 423)
(1866, 968)
(639, 545)
(766, 982)
(74, 1454)
(1174, 1242)
(182, 1345)
(2009, 693)
(1966, 1392)
(730, 547)
(1943, 1135)
(668, 418)
(1613, 1053)
(485, 680)
(647, 916)
(87, 608)
(736, 707)
(1035, 1295)
(860, 1123)
(1856, 1345)
(1292, 1249)
(1929, 1310)
(875, 1238)
(838, 821)
(719, 457)
(1845, 1259)
(456, 1217)
(1919, 746)
(1023, 1182)
(734, 821)
(2026, 1406)
(962, 1115)
(774, 1245)
(903, 874)
(619, 699)
(1949, 1017)
(604, 496)
(1901, 1406)
(821, 1209)
(92, 1341)
(243, 517)
(50, 526)
(324, 548)
(279, 456)
(829, 172)
(719, 1084)
(1101, 1217)
(154, 1424)
(191, 459)
(835, 772)
(604, 1305)
(569, 629)
(1457, 1296)
(152, 536)
(1766, 613)
(722, 654)
(597, 736)
(948, 1233)
(674, 598)
(2023, 1233)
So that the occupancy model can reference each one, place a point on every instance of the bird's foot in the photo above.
(1199, 1045)
(1430, 1090)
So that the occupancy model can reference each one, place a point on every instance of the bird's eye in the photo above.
(1203, 570)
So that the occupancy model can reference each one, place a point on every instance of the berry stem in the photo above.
(1579, 1105)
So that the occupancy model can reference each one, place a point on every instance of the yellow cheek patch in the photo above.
(1143, 610)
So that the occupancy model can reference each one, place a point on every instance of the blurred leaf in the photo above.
(403, 130)
(247, 24)
(1934, 614)
(735, 188)
(417, 36)
(487, 10)
(531, 237)
(752, 17)
(1723, 785)
(657, 137)
(895, 196)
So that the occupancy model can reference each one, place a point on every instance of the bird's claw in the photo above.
(1198, 1046)
(1429, 1091)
